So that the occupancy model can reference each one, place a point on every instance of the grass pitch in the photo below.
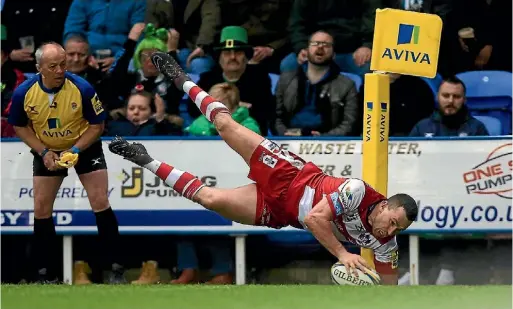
(254, 297)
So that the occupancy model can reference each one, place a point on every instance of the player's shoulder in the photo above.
(25, 87)
(83, 85)
(352, 190)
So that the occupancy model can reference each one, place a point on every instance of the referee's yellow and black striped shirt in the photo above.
(58, 116)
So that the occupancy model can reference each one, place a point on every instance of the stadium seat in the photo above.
(356, 78)
(274, 81)
(434, 84)
(489, 94)
(492, 124)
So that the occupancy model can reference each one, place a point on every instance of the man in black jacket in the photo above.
(351, 23)
(316, 99)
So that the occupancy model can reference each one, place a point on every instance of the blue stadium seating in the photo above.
(274, 82)
(492, 124)
(434, 83)
(489, 94)
(356, 78)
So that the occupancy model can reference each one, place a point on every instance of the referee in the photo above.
(56, 112)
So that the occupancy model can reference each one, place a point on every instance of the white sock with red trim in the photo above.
(182, 182)
(206, 103)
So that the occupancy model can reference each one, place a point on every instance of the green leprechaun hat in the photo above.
(235, 38)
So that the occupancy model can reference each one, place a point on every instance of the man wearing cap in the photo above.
(232, 55)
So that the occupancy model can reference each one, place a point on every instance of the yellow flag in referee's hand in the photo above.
(67, 160)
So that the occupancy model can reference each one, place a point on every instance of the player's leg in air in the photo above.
(238, 137)
(239, 204)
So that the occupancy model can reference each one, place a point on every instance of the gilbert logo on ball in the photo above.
(406, 42)
(340, 276)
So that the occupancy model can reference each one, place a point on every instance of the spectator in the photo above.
(196, 22)
(253, 83)
(350, 22)
(79, 61)
(229, 95)
(411, 100)
(31, 23)
(105, 23)
(485, 48)
(316, 99)
(139, 120)
(452, 117)
(266, 24)
(146, 75)
(11, 77)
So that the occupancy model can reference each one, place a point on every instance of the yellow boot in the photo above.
(149, 273)
(80, 271)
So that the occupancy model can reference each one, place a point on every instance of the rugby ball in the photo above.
(340, 276)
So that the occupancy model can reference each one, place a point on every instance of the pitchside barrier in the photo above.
(462, 185)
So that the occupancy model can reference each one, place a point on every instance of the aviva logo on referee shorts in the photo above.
(406, 35)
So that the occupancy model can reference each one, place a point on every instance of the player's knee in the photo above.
(208, 198)
(99, 201)
(42, 207)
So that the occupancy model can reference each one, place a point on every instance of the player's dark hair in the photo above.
(456, 81)
(407, 202)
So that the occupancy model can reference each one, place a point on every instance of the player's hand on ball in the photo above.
(352, 261)
(50, 159)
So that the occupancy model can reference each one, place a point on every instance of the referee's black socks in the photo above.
(108, 234)
(45, 247)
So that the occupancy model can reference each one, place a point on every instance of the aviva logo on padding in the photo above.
(407, 34)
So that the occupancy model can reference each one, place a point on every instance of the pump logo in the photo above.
(493, 175)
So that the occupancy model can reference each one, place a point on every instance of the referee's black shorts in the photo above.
(89, 160)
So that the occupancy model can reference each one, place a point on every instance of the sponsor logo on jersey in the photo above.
(336, 203)
(269, 161)
(97, 105)
(395, 259)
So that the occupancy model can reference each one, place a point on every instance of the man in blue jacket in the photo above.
(452, 117)
(105, 24)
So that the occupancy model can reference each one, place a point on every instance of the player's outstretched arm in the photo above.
(318, 222)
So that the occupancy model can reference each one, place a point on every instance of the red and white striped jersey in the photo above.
(350, 200)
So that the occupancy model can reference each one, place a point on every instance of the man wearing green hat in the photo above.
(232, 54)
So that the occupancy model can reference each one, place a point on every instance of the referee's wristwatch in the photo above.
(44, 152)
(75, 149)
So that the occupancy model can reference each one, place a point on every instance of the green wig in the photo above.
(153, 39)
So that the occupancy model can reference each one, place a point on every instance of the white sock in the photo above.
(182, 182)
(206, 104)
